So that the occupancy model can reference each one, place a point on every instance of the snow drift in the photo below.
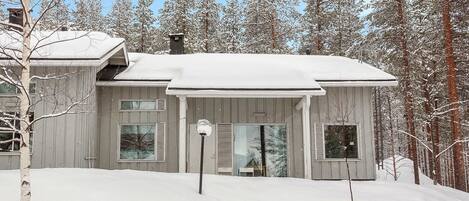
(125, 185)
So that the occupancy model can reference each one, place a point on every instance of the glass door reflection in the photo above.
(260, 150)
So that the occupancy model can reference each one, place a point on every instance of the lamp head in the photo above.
(204, 127)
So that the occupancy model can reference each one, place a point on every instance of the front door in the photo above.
(260, 150)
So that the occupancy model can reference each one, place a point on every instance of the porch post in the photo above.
(182, 133)
(306, 103)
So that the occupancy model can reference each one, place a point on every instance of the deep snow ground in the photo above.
(129, 185)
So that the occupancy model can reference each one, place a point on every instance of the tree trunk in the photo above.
(393, 151)
(458, 161)
(408, 100)
(25, 157)
(428, 127)
(206, 24)
(376, 130)
(435, 146)
(273, 29)
(381, 137)
(318, 33)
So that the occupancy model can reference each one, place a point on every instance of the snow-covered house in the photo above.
(272, 115)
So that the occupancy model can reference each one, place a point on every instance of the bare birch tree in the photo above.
(17, 73)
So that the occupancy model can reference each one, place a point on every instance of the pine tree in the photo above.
(206, 25)
(121, 21)
(3, 16)
(80, 15)
(55, 14)
(95, 17)
(144, 24)
(177, 16)
(333, 27)
(458, 161)
(231, 28)
(88, 15)
(270, 26)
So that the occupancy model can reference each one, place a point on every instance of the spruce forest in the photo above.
(424, 43)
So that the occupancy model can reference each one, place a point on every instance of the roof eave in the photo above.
(246, 93)
(388, 83)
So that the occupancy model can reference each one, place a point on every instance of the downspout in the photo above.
(182, 133)
(306, 104)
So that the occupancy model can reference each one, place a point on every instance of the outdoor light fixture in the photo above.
(204, 128)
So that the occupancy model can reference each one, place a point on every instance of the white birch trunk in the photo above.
(25, 156)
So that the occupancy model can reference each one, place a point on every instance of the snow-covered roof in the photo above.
(233, 72)
(63, 47)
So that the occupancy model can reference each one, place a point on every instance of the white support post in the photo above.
(182, 133)
(306, 103)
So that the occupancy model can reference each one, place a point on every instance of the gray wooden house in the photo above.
(272, 115)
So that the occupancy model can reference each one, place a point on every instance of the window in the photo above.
(137, 142)
(142, 105)
(337, 138)
(8, 134)
(8, 89)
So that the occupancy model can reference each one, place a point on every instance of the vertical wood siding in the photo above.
(355, 103)
(68, 140)
(110, 119)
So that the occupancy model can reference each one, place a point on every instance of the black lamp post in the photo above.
(204, 128)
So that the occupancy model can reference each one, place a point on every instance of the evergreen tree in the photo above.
(232, 28)
(95, 17)
(144, 26)
(333, 27)
(88, 15)
(206, 25)
(121, 21)
(55, 14)
(177, 16)
(80, 15)
(3, 16)
(270, 26)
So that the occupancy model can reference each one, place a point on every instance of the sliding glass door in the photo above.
(260, 150)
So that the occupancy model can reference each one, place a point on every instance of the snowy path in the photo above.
(129, 185)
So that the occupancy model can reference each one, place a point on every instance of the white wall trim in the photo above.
(307, 136)
(182, 134)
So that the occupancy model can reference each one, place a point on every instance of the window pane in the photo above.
(137, 142)
(138, 105)
(147, 105)
(337, 137)
(6, 147)
(276, 150)
(6, 88)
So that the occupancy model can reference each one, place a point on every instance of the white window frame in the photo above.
(142, 100)
(155, 143)
(359, 155)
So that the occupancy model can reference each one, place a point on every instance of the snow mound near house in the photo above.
(404, 170)
(127, 185)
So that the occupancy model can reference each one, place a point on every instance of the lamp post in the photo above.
(204, 128)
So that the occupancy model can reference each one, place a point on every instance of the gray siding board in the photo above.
(112, 118)
(54, 142)
(326, 109)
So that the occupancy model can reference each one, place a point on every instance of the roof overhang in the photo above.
(358, 83)
(117, 55)
(245, 93)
